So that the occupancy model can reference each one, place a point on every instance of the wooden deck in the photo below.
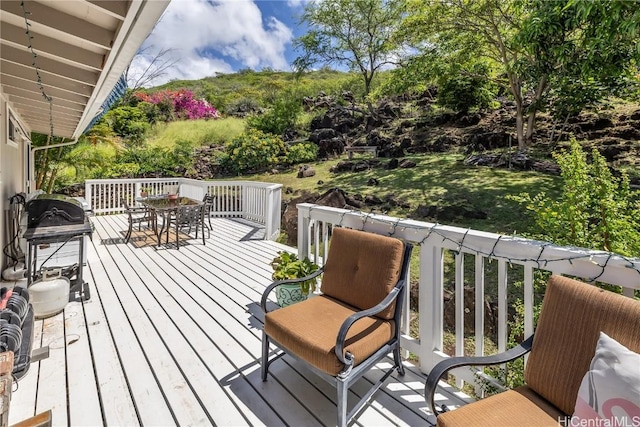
(172, 337)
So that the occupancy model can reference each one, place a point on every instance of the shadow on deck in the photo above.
(172, 337)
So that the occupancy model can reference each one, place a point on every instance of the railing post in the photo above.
(243, 200)
(304, 222)
(276, 211)
(270, 213)
(430, 304)
(88, 193)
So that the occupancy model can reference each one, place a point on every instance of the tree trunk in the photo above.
(516, 91)
(522, 143)
(54, 173)
(531, 122)
(42, 166)
(367, 84)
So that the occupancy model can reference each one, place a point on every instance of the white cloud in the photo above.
(295, 3)
(195, 29)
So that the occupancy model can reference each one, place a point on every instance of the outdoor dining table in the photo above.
(164, 207)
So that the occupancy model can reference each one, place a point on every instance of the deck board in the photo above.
(174, 337)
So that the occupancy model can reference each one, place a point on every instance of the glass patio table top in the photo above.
(164, 203)
(164, 206)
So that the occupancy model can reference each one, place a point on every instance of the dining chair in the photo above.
(137, 215)
(187, 216)
(209, 207)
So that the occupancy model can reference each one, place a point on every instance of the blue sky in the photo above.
(208, 36)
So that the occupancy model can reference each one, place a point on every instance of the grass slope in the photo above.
(196, 132)
(436, 178)
(262, 87)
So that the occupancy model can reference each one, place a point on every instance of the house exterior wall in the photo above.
(13, 169)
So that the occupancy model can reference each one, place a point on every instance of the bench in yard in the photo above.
(361, 149)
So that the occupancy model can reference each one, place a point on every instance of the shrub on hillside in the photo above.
(242, 107)
(596, 209)
(129, 123)
(181, 102)
(253, 151)
(464, 89)
(302, 152)
(282, 116)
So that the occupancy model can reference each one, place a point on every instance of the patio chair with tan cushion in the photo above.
(354, 323)
(561, 350)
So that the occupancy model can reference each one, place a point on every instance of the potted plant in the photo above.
(144, 191)
(287, 266)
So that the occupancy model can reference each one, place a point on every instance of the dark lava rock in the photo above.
(468, 120)
(393, 151)
(322, 134)
(360, 167)
(306, 171)
(450, 212)
(406, 163)
(344, 166)
(373, 181)
(330, 147)
(373, 200)
(290, 216)
(393, 164)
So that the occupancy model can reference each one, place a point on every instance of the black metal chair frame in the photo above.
(350, 374)
(209, 205)
(138, 215)
(446, 365)
(187, 216)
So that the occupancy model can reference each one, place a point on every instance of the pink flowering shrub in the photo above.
(185, 106)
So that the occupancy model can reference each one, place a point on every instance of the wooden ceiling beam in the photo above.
(55, 93)
(48, 17)
(54, 66)
(29, 93)
(50, 47)
(117, 9)
(27, 73)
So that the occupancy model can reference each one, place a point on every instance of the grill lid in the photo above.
(50, 210)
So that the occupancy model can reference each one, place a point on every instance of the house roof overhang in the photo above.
(81, 48)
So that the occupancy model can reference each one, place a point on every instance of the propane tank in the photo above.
(50, 295)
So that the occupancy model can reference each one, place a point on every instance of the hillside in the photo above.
(249, 91)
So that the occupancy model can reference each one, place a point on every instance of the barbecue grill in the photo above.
(57, 228)
(54, 210)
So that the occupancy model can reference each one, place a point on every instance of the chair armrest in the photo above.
(272, 286)
(136, 209)
(455, 362)
(346, 325)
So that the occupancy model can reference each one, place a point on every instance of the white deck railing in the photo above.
(469, 255)
(255, 201)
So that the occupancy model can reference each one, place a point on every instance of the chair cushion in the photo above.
(518, 407)
(309, 330)
(573, 315)
(362, 268)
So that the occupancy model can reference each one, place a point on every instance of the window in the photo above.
(15, 133)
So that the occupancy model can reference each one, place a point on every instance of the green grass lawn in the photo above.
(196, 132)
(437, 178)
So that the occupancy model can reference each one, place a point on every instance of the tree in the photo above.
(147, 66)
(355, 33)
(565, 51)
